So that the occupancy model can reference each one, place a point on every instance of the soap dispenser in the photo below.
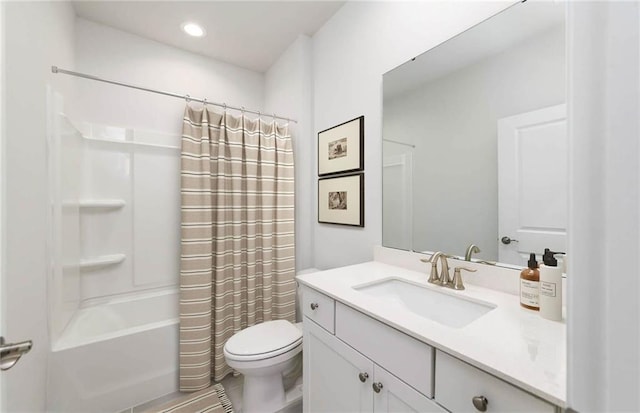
(530, 285)
(550, 287)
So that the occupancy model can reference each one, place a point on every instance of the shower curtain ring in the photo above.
(224, 105)
(204, 102)
(187, 98)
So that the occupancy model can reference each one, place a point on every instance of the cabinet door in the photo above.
(395, 396)
(332, 369)
(459, 383)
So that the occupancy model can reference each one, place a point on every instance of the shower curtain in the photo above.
(237, 250)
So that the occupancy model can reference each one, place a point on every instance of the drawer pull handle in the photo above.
(314, 306)
(377, 387)
(363, 377)
(480, 403)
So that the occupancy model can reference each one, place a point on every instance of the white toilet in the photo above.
(263, 353)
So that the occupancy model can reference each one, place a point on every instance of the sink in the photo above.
(442, 307)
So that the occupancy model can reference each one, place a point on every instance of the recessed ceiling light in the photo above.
(193, 29)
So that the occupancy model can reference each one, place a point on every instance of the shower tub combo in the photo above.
(116, 353)
(114, 248)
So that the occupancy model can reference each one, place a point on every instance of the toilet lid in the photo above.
(264, 340)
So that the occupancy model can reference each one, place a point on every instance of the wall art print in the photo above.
(341, 148)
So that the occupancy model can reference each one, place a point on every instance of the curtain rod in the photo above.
(56, 69)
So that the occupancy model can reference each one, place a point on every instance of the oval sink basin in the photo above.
(442, 307)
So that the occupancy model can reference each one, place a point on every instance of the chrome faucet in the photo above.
(471, 249)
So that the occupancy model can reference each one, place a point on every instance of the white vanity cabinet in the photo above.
(339, 374)
(396, 396)
(336, 377)
(339, 379)
(459, 383)
(355, 363)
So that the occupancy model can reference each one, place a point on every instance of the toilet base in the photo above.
(263, 394)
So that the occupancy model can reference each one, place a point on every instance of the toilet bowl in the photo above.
(263, 353)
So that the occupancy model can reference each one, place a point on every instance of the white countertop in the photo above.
(510, 342)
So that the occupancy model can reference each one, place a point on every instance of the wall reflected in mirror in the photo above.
(474, 140)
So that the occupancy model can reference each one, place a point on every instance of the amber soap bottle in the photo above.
(530, 285)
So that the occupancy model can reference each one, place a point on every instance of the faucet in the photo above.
(434, 277)
(471, 249)
(444, 270)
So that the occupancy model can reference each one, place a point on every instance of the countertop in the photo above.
(510, 342)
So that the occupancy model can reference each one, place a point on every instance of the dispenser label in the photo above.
(530, 293)
(547, 289)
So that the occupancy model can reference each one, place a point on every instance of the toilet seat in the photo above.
(264, 341)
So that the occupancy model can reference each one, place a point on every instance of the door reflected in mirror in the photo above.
(475, 142)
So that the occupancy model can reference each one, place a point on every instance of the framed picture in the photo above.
(341, 148)
(341, 200)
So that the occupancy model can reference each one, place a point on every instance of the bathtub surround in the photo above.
(238, 255)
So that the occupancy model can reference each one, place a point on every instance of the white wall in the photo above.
(603, 325)
(351, 51)
(452, 121)
(114, 54)
(288, 92)
(37, 35)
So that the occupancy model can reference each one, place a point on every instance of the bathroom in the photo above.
(316, 65)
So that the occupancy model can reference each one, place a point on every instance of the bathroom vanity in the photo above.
(379, 338)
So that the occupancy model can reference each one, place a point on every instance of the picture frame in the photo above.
(341, 148)
(341, 200)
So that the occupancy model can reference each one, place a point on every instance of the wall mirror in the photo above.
(475, 142)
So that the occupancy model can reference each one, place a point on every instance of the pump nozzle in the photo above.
(548, 257)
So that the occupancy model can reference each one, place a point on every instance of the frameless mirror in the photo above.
(475, 142)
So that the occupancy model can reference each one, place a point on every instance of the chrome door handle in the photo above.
(507, 240)
(377, 387)
(363, 377)
(10, 353)
(314, 306)
(480, 403)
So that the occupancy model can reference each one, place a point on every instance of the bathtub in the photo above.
(115, 354)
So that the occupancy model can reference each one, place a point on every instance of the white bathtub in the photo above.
(115, 354)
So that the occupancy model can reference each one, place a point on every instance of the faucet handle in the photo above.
(434, 278)
(457, 283)
(433, 259)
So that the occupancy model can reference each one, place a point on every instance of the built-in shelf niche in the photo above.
(92, 263)
(101, 203)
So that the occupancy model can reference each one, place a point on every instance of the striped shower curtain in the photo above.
(237, 250)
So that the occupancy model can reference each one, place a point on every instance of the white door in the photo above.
(532, 184)
(397, 172)
(394, 396)
(336, 378)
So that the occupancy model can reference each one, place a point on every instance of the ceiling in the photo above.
(250, 34)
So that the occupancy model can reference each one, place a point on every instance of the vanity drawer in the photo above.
(319, 308)
(457, 383)
(403, 356)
